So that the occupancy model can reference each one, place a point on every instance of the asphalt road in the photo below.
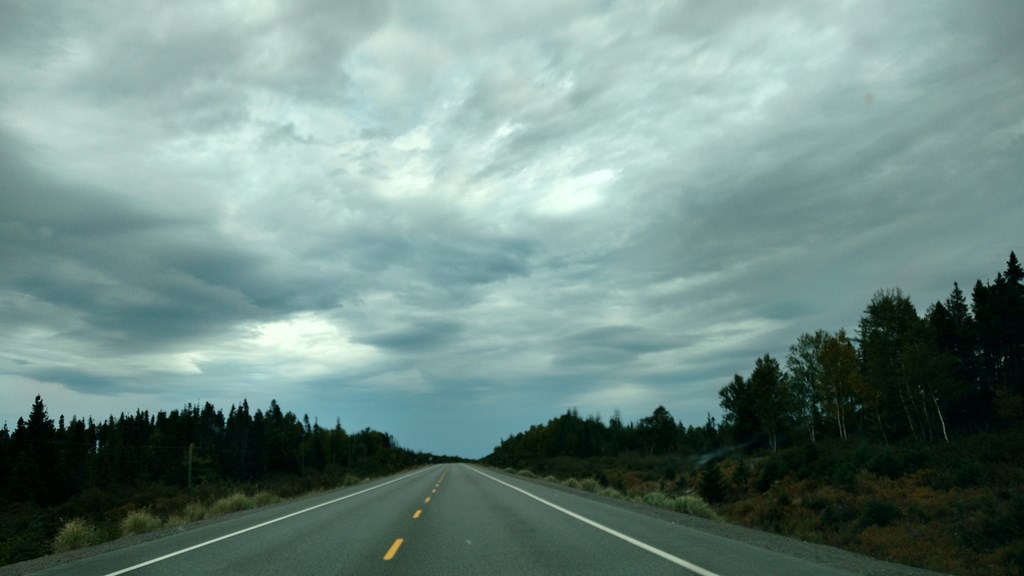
(456, 519)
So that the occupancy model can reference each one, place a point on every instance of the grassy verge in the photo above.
(954, 508)
(93, 517)
(690, 504)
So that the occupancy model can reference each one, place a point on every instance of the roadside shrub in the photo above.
(572, 483)
(228, 504)
(265, 498)
(175, 520)
(836, 515)
(879, 513)
(611, 493)
(740, 475)
(712, 484)
(193, 511)
(550, 478)
(139, 522)
(525, 473)
(774, 469)
(657, 499)
(74, 534)
(694, 506)
(885, 463)
(590, 485)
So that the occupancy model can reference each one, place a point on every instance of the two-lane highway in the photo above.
(451, 519)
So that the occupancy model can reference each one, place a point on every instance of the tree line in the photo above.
(47, 463)
(570, 435)
(958, 369)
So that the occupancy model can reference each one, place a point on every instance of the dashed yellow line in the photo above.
(417, 514)
(427, 501)
(393, 549)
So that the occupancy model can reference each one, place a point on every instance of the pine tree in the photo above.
(711, 486)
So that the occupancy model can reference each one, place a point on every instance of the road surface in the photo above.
(458, 519)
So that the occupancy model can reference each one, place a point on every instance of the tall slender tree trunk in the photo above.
(942, 420)
(910, 417)
(878, 415)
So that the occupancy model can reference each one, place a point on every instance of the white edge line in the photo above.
(249, 529)
(656, 551)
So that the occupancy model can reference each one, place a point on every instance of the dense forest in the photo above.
(905, 440)
(101, 472)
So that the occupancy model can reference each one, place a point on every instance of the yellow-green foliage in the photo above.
(228, 504)
(694, 506)
(265, 499)
(175, 520)
(611, 493)
(573, 483)
(903, 519)
(139, 522)
(74, 534)
(194, 511)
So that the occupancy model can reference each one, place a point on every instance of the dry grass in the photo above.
(140, 522)
(74, 534)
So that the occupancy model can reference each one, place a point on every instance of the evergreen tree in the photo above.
(711, 486)
(739, 410)
(659, 431)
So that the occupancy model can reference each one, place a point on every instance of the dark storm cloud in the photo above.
(417, 336)
(511, 210)
(610, 345)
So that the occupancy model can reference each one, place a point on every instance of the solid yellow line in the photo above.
(417, 514)
(394, 549)
(427, 501)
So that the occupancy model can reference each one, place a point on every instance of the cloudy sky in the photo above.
(451, 220)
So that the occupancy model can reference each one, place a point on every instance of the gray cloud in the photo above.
(453, 222)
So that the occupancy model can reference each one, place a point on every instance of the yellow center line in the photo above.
(394, 549)
(434, 491)
(427, 501)
(417, 514)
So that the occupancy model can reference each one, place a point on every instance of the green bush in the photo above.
(885, 463)
(740, 475)
(194, 511)
(572, 483)
(712, 484)
(774, 469)
(694, 506)
(879, 513)
(175, 520)
(74, 534)
(657, 499)
(525, 473)
(139, 522)
(265, 498)
(232, 503)
(836, 515)
(590, 485)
